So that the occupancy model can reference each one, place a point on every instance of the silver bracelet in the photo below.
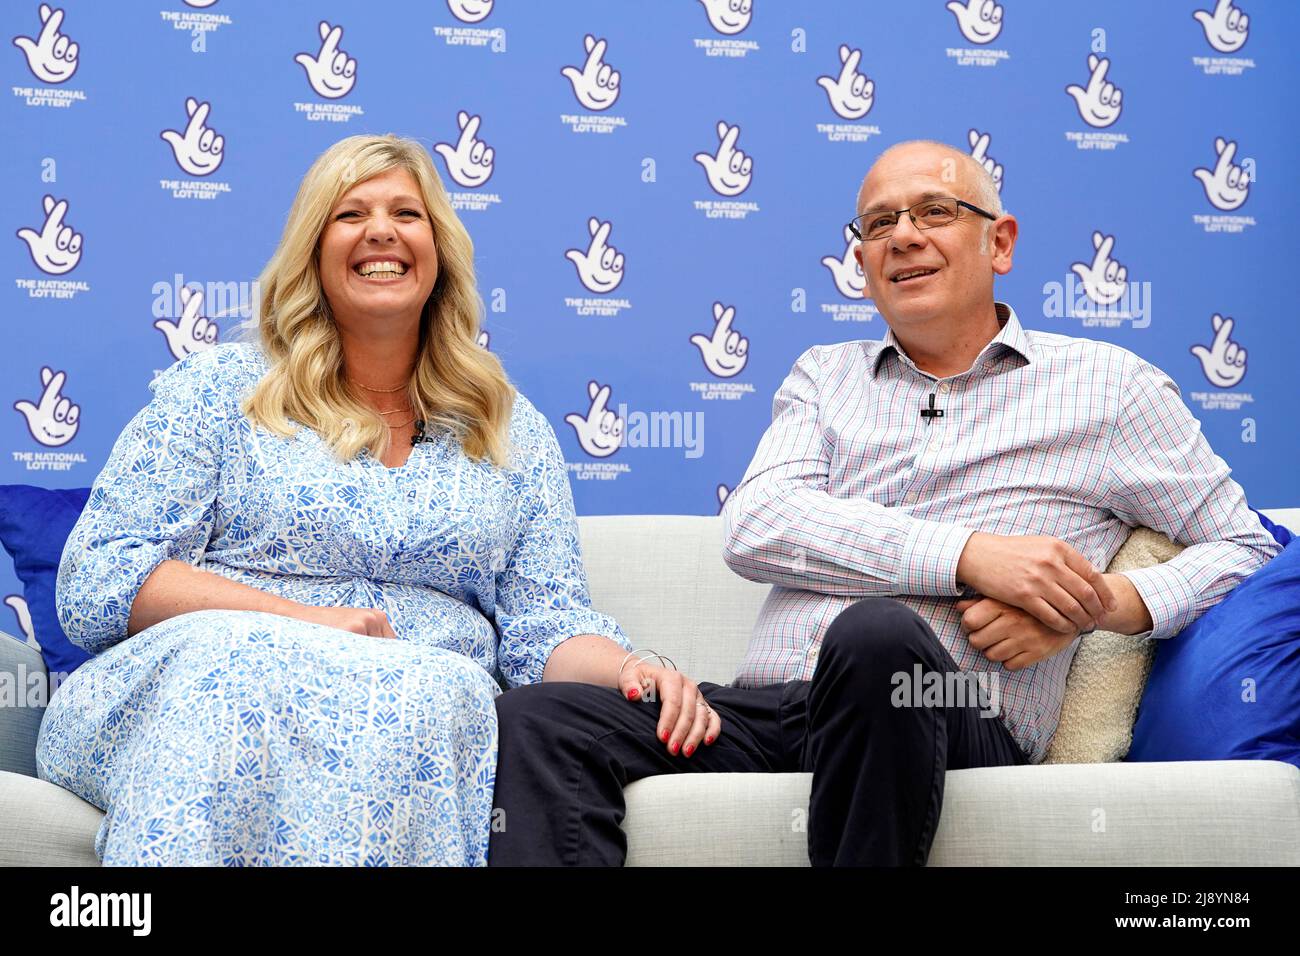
(643, 655)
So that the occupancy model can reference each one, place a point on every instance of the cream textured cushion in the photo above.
(1108, 674)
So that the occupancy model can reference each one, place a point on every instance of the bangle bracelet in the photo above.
(642, 655)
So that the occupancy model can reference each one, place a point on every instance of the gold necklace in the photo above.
(403, 425)
(368, 388)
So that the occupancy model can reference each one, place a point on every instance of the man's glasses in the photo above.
(926, 214)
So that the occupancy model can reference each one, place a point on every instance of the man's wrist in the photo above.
(1132, 616)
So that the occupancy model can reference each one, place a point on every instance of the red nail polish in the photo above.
(664, 736)
(689, 751)
(708, 740)
(633, 694)
(673, 748)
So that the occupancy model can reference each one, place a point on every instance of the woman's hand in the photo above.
(369, 621)
(685, 718)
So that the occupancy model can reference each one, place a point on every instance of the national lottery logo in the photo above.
(728, 169)
(1099, 102)
(595, 84)
(846, 270)
(470, 11)
(330, 71)
(56, 248)
(724, 350)
(599, 430)
(469, 160)
(1104, 280)
(1226, 27)
(1223, 361)
(850, 93)
(729, 17)
(192, 331)
(52, 420)
(18, 605)
(980, 21)
(200, 4)
(600, 265)
(51, 57)
(1227, 185)
(198, 150)
(979, 147)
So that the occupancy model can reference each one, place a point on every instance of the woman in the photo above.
(306, 560)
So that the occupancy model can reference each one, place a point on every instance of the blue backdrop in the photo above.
(657, 193)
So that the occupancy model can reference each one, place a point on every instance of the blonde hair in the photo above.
(456, 384)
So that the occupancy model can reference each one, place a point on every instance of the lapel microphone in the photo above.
(929, 414)
(420, 436)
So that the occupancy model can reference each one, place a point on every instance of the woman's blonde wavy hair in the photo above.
(456, 384)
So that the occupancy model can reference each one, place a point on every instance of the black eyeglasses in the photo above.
(926, 214)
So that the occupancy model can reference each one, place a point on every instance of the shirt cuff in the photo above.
(1168, 596)
(930, 556)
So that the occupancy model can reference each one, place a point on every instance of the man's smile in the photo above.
(912, 274)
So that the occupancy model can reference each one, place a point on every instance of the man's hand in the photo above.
(1008, 635)
(1039, 574)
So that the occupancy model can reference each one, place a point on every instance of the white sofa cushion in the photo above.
(662, 578)
(1210, 813)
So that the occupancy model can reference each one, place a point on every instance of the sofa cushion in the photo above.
(663, 579)
(34, 526)
(1228, 686)
(1215, 813)
(24, 691)
(45, 825)
(1282, 535)
(1107, 674)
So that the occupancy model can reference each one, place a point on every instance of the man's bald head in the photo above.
(934, 273)
(971, 178)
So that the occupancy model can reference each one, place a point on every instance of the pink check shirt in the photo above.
(852, 494)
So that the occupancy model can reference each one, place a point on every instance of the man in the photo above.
(964, 476)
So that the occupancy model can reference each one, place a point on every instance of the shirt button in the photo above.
(943, 387)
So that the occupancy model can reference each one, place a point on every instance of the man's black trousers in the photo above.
(567, 751)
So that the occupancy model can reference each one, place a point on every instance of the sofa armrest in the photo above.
(24, 691)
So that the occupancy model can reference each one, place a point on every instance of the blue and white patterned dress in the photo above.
(238, 737)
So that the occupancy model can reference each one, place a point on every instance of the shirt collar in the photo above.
(1011, 336)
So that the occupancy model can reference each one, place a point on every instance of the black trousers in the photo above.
(878, 761)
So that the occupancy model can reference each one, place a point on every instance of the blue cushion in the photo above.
(1228, 686)
(34, 524)
(1282, 535)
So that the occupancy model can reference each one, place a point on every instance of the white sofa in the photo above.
(663, 578)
